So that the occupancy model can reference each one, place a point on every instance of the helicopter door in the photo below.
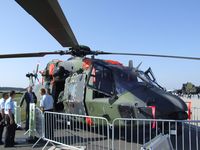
(74, 94)
(102, 87)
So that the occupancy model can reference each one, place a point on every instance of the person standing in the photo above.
(29, 97)
(46, 104)
(10, 122)
(2, 114)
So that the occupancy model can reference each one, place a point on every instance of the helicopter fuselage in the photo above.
(106, 88)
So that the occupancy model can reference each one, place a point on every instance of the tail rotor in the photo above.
(33, 77)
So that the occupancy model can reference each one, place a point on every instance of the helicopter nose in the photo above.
(171, 105)
(176, 101)
(168, 106)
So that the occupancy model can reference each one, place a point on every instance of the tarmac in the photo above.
(22, 142)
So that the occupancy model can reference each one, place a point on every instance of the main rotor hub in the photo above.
(80, 51)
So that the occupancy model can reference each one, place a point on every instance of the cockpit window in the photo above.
(101, 80)
(127, 79)
(106, 81)
(149, 78)
(139, 79)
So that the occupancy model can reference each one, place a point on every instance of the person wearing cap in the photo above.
(10, 121)
(2, 114)
(30, 97)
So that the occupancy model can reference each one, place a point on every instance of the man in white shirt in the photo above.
(46, 103)
(2, 115)
(10, 122)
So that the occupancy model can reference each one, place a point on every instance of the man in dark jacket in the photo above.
(29, 97)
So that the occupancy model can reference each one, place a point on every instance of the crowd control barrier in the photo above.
(128, 134)
(88, 132)
(39, 125)
(76, 131)
(18, 120)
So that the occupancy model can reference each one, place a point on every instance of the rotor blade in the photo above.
(39, 54)
(146, 55)
(50, 15)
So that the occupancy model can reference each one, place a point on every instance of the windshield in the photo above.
(128, 79)
(148, 77)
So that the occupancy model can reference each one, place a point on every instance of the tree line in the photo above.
(188, 89)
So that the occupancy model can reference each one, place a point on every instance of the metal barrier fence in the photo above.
(17, 115)
(87, 132)
(39, 125)
(134, 133)
(76, 131)
(39, 119)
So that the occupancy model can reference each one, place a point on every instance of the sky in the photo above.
(170, 27)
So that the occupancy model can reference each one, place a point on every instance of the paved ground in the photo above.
(22, 143)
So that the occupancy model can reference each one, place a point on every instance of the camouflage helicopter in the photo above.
(89, 86)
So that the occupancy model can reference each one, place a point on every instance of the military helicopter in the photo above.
(90, 86)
